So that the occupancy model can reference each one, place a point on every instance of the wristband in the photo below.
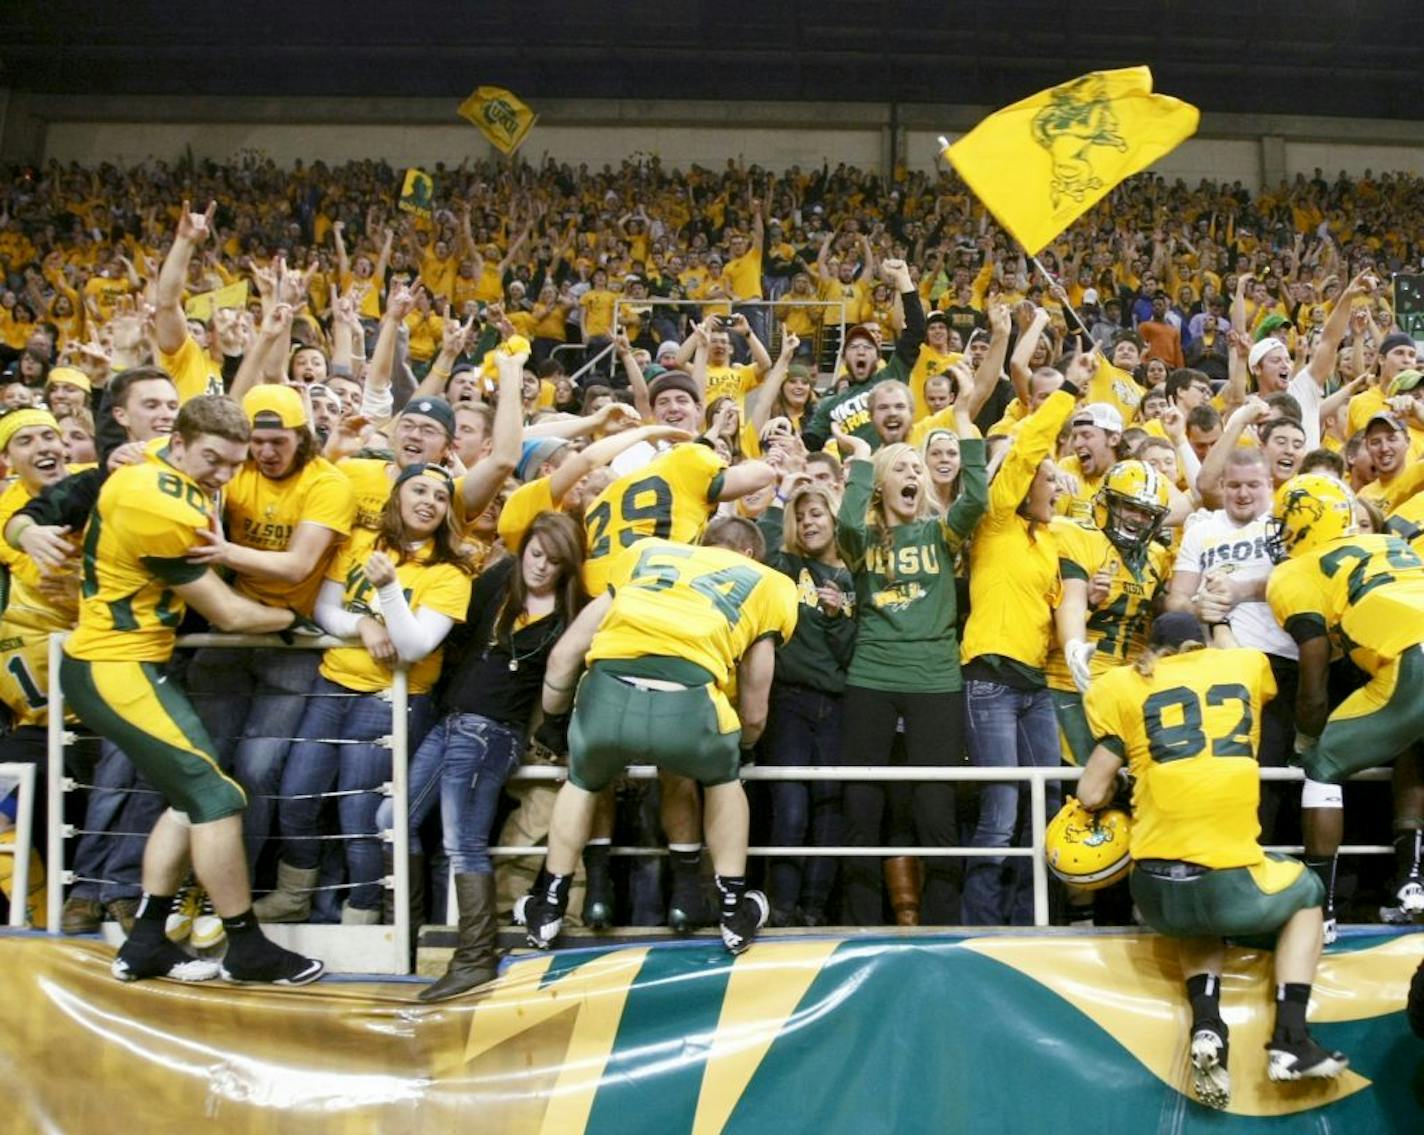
(1219, 623)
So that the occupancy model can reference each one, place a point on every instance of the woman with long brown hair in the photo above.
(401, 602)
(518, 610)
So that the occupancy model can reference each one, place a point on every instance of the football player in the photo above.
(1338, 592)
(1186, 722)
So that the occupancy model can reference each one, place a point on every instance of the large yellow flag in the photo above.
(1042, 163)
(502, 118)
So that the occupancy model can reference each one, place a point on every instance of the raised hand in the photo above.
(195, 227)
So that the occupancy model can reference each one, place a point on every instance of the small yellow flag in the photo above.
(203, 305)
(1042, 163)
(417, 193)
(501, 117)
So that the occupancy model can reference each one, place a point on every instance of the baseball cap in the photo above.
(1090, 295)
(861, 331)
(1270, 325)
(436, 409)
(534, 454)
(1391, 341)
(668, 346)
(71, 376)
(936, 317)
(273, 407)
(1261, 349)
(1388, 418)
(1103, 415)
(1173, 628)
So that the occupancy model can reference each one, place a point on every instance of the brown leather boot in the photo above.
(904, 877)
(474, 962)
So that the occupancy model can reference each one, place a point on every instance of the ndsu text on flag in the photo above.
(501, 117)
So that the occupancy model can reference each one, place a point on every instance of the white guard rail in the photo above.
(386, 949)
(353, 949)
(1038, 818)
(24, 776)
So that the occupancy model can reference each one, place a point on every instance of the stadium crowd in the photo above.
(982, 481)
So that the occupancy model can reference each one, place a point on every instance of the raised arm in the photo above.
(1029, 335)
(481, 483)
(1213, 467)
(170, 325)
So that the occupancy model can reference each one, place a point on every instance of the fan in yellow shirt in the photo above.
(401, 598)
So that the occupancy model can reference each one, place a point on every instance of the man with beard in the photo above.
(1094, 444)
(850, 410)
(890, 413)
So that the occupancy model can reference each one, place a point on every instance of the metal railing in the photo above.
(1037, 778)
(19, 848)
(356, 942)
(772, 339)
(398, 936)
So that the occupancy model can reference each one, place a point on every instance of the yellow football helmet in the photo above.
(1088, 850)
(1131, 505)
(1309, 510)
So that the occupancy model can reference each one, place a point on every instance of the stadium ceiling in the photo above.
(1335, 57)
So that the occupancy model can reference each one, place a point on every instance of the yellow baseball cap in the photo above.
(273, 407)
(72, 376)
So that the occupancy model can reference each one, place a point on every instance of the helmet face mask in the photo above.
(1131, 505)
(1309, 511)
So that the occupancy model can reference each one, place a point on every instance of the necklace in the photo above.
(515, 658)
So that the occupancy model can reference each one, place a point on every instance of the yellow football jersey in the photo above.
(670, 498)
(441, 587)
(147, 518)
(1189, 735)
(1118, 626)
(704, 605)
(1365, 592)
(192, 370)
(1406, 522)
(263, 514)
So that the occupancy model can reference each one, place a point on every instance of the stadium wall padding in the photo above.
(1041, 1033)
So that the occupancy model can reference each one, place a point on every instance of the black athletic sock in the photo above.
(556, 891)
(1292, 999)
(1324, 866)
(244, 935)
(1408, 844)
(1204, 992)
(732, 887)
(150, 919)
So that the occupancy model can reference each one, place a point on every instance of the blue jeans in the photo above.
(805, 729)
(120, 802)
(252, 703)
(467, 758)
(339, 749)
(1008, 728)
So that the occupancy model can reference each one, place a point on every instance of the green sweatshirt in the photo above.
(906, 639)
